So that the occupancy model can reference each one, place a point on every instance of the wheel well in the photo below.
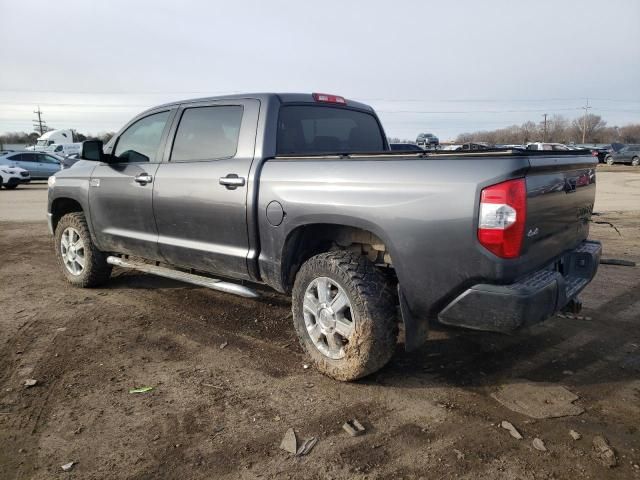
(306, 241)
(62, 206)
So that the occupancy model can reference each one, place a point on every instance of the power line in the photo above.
(584, 129)
(39, 124)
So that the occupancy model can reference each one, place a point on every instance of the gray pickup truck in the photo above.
(301, 193)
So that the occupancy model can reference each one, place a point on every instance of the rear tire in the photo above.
(82, 264)
(609, 160)
(11, 187)
(371, 315)
(635, 161)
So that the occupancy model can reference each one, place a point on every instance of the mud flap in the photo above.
(416, 330)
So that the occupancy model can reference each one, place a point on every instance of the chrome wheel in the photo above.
(72, 250)
(328, 317)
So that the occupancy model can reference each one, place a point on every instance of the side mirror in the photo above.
(92, 150)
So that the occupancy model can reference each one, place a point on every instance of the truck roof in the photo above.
(264, 97)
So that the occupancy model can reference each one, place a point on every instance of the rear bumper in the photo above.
(532, 299)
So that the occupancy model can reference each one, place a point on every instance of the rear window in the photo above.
(320, 129)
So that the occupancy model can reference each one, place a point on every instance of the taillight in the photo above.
(326, 98)
(503, 211)
(594, 153)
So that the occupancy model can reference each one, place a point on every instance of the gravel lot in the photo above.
(229, 377)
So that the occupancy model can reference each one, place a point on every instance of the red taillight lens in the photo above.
(326, 98)
(594, 153)
(503, 211)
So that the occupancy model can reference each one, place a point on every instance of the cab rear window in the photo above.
(324, 130)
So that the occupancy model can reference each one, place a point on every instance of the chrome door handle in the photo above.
(143, 179)
(232, 181)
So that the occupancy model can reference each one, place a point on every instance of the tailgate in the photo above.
(561, 191)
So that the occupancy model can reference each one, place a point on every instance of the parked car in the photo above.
(284, 190)
(475, 146)
(547, 146)
(11, 177)
(69, 160)
(406, 147)
(627, 154)
(40, 165)
(427, 140)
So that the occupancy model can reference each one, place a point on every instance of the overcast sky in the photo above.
(441, 67)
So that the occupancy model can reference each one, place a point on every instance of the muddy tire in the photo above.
(363, 334)
(82, 264)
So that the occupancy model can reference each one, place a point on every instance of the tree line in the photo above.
(558, 129)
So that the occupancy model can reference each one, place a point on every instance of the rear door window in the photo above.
(207, 133)
(319, 129)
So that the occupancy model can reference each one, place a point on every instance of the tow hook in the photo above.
(574, 306)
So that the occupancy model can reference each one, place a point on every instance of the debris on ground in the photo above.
(305, 366)
(571, 316)
(538, 444)
(211, 385)
(538, 400)
(354, 428)
(511, 429)
(68, 466)
(575, 435)
(617, 261)
(289, 442)
(30, 382)
(459, 454)
(140, 390)
(306, 446)
(604, 452)
(223, 344)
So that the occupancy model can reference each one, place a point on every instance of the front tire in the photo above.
(635, 161)
(609, 160)
(11, 187)
(344, 314)
(83, 265)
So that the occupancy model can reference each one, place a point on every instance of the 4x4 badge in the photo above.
(532, 232)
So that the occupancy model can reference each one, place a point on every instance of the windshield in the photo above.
(317, 129)
(41, 143)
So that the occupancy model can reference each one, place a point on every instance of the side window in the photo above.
(49, 159)
(207, 133)
(29, 157)
(15, 158)
(140, 142)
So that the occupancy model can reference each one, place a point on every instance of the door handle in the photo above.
(232, 181)
(143, 178)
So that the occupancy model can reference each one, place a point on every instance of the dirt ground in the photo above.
(229, 380)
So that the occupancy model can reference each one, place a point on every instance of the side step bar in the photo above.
(199, 280)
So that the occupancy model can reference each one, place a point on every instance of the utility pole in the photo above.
(544, 132)
(584, 122)
(39, 125)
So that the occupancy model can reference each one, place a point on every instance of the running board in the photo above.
(199, 280)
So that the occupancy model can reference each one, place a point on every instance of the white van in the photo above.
(64, 149)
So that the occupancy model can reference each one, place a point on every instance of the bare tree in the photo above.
(593, 126)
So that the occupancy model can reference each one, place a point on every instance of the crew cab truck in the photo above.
(301, 193)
